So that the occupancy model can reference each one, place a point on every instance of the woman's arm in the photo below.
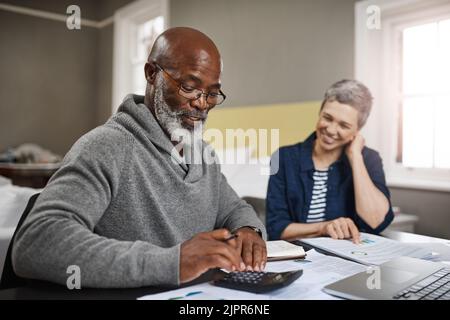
(302, 230)
(340, 228)
(371, 204)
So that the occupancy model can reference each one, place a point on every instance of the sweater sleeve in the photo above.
(59, 231)
(233, 211)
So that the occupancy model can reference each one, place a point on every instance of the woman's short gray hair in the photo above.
(353, 93)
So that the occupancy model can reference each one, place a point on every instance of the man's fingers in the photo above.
(239, 251)
(218, 234)
(218, 261)
(257, 257)
(247, 255)
(209, 246)
(264, 259)
(234, 243)
(226, 251)
(224, 235)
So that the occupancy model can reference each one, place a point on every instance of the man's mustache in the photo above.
(196, 114)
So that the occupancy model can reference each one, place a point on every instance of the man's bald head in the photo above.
(182, 45)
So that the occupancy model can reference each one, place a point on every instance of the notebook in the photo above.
(283, 250)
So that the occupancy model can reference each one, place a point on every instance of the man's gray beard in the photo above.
(171, 121)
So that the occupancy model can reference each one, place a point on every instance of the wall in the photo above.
(275, 51)
(48, 80)
(295, 122)
(431, 207)
(55, 83)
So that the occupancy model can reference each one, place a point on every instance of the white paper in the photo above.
(319, 270)
(204, 291)
(373, 250)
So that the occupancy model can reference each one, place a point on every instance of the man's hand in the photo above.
(252, 249)
(341, 228)
(355, 147)
(209, 250)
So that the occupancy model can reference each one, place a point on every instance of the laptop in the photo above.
(402, 278)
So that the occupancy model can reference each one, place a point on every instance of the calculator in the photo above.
(256, 282)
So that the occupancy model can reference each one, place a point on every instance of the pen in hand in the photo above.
(234, 235)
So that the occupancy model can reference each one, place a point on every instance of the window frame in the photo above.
(126, 21)
(378, 64)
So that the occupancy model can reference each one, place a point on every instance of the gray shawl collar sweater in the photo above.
(119, 208)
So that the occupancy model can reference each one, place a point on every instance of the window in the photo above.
(136, 27)
(405, 64)
(143, 39)
(425, 96)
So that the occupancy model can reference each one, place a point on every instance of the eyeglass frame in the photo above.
(179, 85)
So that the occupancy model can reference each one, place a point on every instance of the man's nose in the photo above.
(200, 103)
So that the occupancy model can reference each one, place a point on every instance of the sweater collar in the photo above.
(142, 121)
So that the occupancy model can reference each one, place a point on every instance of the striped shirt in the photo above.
(318, 204)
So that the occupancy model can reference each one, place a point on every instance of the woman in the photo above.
(331, 184)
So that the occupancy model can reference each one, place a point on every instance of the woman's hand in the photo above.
(341, 228)
(355, 147)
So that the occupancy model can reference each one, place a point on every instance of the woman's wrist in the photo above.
(321, 228)
(355, 157)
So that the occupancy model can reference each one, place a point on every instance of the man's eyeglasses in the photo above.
(212, 98)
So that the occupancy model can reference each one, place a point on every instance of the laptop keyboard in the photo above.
(434, 287)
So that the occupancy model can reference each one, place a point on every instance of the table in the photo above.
(29, 175)
(46, 290)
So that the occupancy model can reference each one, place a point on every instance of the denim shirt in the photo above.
(290, 188)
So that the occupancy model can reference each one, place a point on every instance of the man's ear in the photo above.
(150, 72)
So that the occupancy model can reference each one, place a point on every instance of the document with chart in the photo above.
(373, 250)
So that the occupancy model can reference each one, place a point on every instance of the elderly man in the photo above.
(125, 210)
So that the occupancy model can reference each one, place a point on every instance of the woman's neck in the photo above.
(322, 159)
